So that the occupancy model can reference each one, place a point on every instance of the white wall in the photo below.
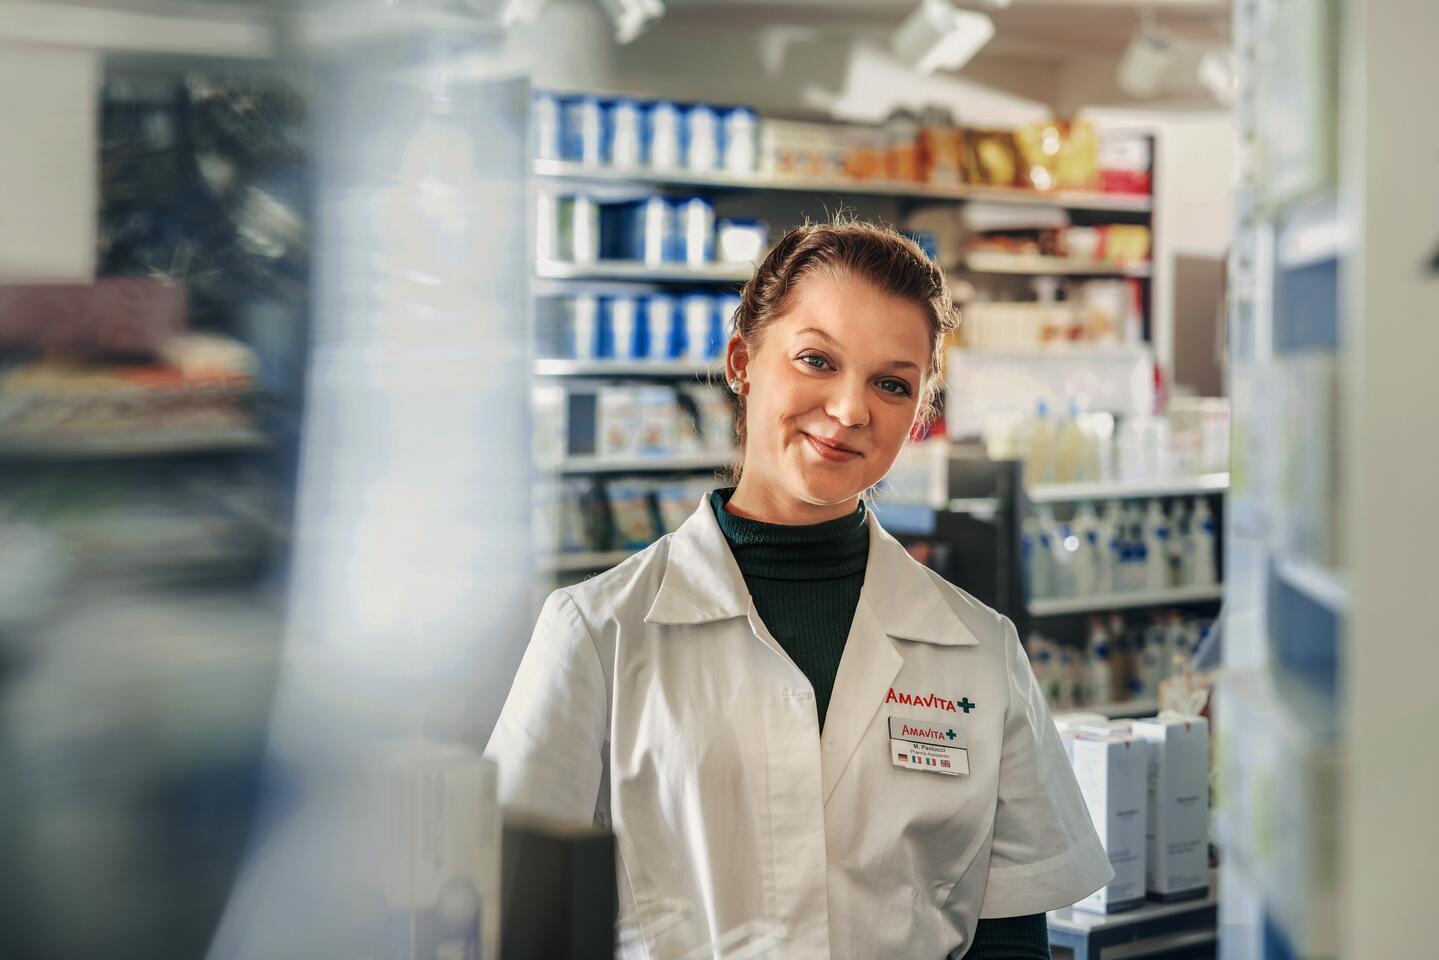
(48, 167)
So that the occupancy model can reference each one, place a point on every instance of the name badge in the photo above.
(928, 746)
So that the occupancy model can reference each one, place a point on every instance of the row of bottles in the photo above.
(1058, 449)
(1119, 549)
(1118, 662)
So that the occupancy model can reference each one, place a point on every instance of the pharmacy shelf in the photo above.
(581, 562)
(1125, 709)
(636, 271)
(1069, 199)
(659, 369)
(1313, 233)
(126, 445)
(1027, 265)
(1140, 490)
(686, 464)
(1154, 929)
(1124, 601)
(1324, 585)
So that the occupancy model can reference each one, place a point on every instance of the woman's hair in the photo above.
(879, 256)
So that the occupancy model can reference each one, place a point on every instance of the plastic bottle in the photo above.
(1087, 559)
(1064, 695)
(1066, 561)
(1039, 467)
(1106, 558)
(1202, 567)
(1101, 686)
(1179, 544)
(1038, 575)
(1156, 548)
(1070, 449)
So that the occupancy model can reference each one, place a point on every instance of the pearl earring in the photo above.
(735, 384)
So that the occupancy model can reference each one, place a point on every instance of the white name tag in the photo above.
(930, 746)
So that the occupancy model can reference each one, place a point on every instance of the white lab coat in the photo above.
(654, 700)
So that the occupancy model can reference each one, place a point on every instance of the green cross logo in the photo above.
(950, 734)
(965, 705)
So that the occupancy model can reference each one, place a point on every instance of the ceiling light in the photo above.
(1150, 55)
(939, 36)
(632, 17)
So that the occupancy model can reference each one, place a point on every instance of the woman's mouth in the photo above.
(831, 450)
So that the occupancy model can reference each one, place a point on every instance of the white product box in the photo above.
(617, 422)
(1113, 776)
(1177, 844)
(439, 834)
(1068, 722)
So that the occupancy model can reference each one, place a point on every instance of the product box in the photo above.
(438, 837)
(1177, 837)
(1113, 775)
(1068, 723)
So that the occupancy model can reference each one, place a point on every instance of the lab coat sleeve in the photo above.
(550, 738)
(1046, 854)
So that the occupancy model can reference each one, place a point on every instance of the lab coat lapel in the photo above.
(900, 600)
(868, 667)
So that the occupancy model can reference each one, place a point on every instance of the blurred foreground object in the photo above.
(559, 891)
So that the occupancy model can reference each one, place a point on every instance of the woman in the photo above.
(783, 716)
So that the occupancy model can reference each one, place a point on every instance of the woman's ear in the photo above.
(737, 357)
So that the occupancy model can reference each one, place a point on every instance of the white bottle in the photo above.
(1039, 467)
(1104, 551)
(1064, 695)
(1087, 557)
(1100, 688)
(1070, 449)
(1038, 561)
(1156, 548)
(1179, 544)
(1201, 527)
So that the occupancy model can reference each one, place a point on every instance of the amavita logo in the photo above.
(933, 701)
(930, 732)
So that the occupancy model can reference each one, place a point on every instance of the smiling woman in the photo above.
(834, 358)
(783, 715)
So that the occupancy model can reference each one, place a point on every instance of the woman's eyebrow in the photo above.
(893, 364)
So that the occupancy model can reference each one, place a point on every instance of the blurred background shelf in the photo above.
(684, 464)
(626, 270)
(1324, 585)
(127, 445)
(1027, 265)
(1181, 487)
(1072, 199)
(1124, 601)
(666, 369)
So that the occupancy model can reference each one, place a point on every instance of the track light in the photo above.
(939, 36)
(632, 17)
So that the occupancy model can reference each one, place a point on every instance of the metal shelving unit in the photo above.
(1068, 199)
(1040, 266)
(659, 369)
(1201, 485)
(1179, 596)
(693, 463)
(637, 272)
(128, 445)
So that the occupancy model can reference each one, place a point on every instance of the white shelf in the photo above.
(625, 368)
(1321, 584)
(696, 462)
(1181, 487)
(1313, 233)
(635, 271)
(1069, 199)
(1124, 601)
(122, 444)
(580, 562)
(1026, 265)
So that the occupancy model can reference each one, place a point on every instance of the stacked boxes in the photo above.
(1113, 773)
(1178, 833)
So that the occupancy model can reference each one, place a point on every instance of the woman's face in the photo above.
(833, 390)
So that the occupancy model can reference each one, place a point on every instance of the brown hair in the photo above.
(878, 255)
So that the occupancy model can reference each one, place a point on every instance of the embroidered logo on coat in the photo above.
(933, 700)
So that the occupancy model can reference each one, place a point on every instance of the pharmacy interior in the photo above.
(336, 336)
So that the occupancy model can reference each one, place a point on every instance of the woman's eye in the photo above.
(897, 387)
(814, 360)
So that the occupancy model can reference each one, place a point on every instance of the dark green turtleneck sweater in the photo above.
(805, 583)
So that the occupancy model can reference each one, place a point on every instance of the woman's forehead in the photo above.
(856, 314)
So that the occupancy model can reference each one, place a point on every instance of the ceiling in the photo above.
(1043, 29)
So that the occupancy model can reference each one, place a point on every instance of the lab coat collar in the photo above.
(702, 584)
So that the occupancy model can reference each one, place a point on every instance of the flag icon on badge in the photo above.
(944, 763)
(904, 758)
(929, 760)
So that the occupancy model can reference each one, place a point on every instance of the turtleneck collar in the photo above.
(816, 551)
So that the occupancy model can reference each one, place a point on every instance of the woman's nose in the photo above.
(847, 405)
